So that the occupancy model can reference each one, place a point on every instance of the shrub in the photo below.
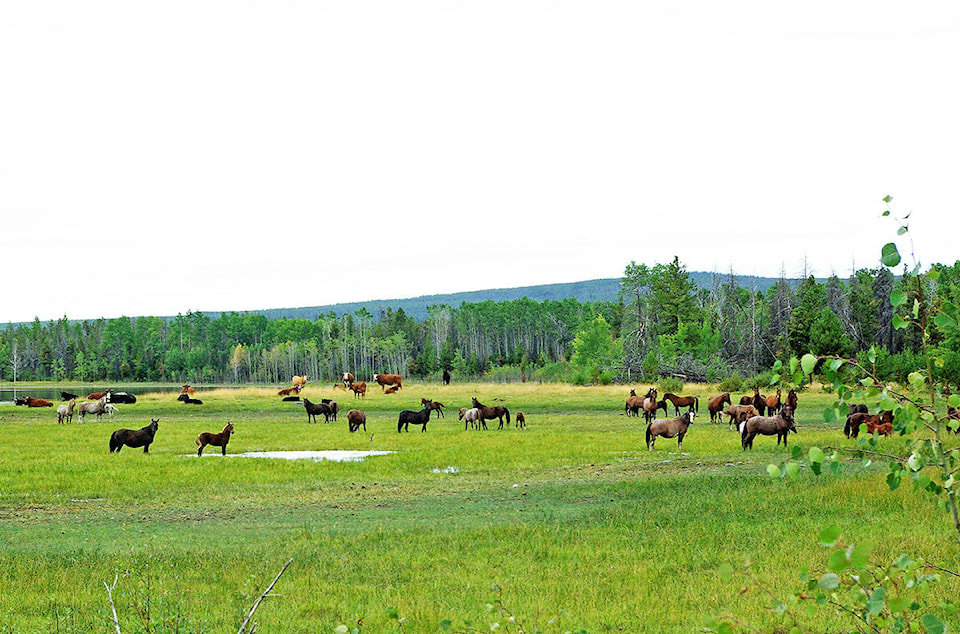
(733, 383)
(670, 384)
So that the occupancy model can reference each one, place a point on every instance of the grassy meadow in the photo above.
(576, 522)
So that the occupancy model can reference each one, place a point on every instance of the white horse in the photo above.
(65, 412)
(471, 416)
(93, 407)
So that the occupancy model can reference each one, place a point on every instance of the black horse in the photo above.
(134, 438)
(323, 409)
(417, 418)
(446, 376)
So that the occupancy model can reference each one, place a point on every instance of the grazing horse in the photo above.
(487, 413)
(715, 405)
(417, 418)
(383, 380)
(317, 408)
(881, 423)
(437, 405)
(521, 420)
(650, 405)
(792, 400)
(690, 402)
(217, 440)
(781, 425)
(356, 418)
(287, 391)
(142, 437)
(471, 416)
(670, 428)
(65, 412)
(359, 389)
(92, 407)
(774, 403)
(446, 376)
(37, 402)
(740, 413)
(68, 396)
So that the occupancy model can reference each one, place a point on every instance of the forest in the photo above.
(661, 324)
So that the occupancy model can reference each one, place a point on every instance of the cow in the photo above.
(347, 379)
(383, 380)
(37, 402)
(301, 380)
(287, 391)
(359, 389)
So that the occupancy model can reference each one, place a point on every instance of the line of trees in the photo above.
(661, 324)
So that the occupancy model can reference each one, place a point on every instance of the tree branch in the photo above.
(116, 621)
(257, 603)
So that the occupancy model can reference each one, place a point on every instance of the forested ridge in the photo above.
(660, 323)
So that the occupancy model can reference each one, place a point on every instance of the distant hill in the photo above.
(416, 307)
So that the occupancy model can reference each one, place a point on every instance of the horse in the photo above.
(881, 423)
(650, 405)
(333, 405)
(471, 416)
(437, 405)
(217, 440)
(633, 404)
(486, 413)
(446, 376)
(857, 409)
(68, 396)
(356, 418)
(792, 399)
(110, 410)
(773, 403)
(65, 412)
(690, 402)
(781, 425)
(359, 389)
(759, 401)
(383, 380)
(37, 402)
(715, 405)
(391, 389)
(142, 437)
(740, 413)
(287, 391)
(317, 408)
(521, 420)
(417, 418)
(93, 407)
(670, 428)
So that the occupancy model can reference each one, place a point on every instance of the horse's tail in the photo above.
(648, 436)
(696, 404)
(507, 412)
(197, 441)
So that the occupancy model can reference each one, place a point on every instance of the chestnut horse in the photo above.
(690, 402)
(773, 403)
(356, 418)
(881, 423)
(217, 440)
(715, 405)
(487, 413)
(740, 413)
(134, 438)
(792, 400)
(669, 428)
(437, 405)
(650, 405)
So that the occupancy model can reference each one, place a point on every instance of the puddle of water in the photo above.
(335, 455)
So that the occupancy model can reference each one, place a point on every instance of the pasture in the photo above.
(573, 518)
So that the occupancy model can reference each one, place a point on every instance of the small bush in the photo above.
(733, 383)
(670, 384)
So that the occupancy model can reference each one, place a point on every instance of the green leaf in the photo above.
(898, 298)
(793, 470)
(777, 365)
(773, 470)
(899, 323)
(953, 400)
(872, 354)
(829, 581)
(887, 199)
(808, 363)
(944, 321)
(816, 455)
(889, 255)
(877, 600)
(829, 535)
(446, 625)
(341, 629)
(860, 556)
(932, 624)
(916, 308)
(838, 562)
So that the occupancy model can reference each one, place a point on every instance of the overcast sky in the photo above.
(164, 156)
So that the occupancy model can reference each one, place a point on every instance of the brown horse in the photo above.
(792, 399)
(650, 405)
(313, 409)
(773, 403)
(740, 413)
(437, 405)
(217, 440)
(359, 389)
(521, 420)
(356, 418)
(881, 423)
(487, 413)
(759, 401)
(781, 425)
(134, 438)
(633, 404)
(690, 402)
(669, 428)
(715, 405)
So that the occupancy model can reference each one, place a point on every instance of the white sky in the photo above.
(164, 156)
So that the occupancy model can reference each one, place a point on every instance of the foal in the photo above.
(217, 440)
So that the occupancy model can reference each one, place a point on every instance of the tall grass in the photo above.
(573, 518)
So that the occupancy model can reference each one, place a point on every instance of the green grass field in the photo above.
(578, 524)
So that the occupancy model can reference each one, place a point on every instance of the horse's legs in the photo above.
(200, 450)
(224, 449)
(146, 448)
